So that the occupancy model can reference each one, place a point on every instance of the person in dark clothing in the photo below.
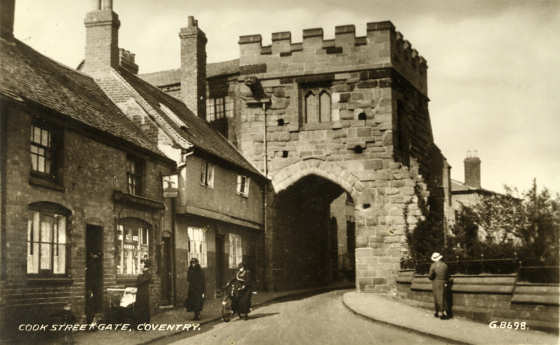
(142, 305)
(438, 274)
(242, 279)
(197, 289)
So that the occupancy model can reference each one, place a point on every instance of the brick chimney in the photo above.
(7, 10)
(127, 61)
(193, 67)
(472, 170)
(102, 38)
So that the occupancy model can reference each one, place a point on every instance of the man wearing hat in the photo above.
(439, 275)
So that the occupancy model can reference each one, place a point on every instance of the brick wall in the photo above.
(91, 172)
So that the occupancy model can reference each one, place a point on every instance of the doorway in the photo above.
(94, 271)
(220, 261)
(166, 273)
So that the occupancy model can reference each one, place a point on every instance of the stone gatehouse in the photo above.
(323, 117)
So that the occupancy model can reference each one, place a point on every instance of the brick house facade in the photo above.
(81, 196)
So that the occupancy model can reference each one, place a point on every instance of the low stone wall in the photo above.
(489, 297)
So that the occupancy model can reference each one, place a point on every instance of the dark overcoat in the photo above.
(244, 299)
(197, 287)
(142, 305)
(439, 276)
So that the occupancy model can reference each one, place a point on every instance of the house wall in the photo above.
(92, 172)
(222, 199)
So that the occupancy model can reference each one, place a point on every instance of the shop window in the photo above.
(47, 242)
(235, 250)
(207, 174)
(132, 246)
(243, 185)
(197, 245)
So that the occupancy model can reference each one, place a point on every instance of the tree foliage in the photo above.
(503, 225)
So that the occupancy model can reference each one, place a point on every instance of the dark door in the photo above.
(94, 271)
(166, 272)
(220, 261)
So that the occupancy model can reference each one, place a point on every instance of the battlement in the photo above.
(382, 46)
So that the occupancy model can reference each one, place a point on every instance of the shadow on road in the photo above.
(260, 315)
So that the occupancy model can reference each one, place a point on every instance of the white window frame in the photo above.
(50, 244)
(207, 174)
(235, 250)
(243, 183)
(197, 246)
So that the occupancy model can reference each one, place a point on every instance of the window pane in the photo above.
(60, 259)
(34, 162)
(45, 138)
(62, 230)
(325, 106)
(37, 135)
(311, 114)
(46, 239)
(41, 164)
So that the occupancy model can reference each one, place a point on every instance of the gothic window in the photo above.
(317, 105)
(235, 250)
(311, 115)
(47, 241)
(325, 106)
(132, 246)
(197, 245)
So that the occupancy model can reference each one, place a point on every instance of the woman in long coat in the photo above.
(243, 278)
(197, 289)
(142, 305)
(439, 276)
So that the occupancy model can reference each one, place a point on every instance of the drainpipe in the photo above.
(265, 195)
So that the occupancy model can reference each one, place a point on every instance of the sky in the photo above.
(493, 65)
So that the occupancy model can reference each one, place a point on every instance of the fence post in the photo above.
(481, 262)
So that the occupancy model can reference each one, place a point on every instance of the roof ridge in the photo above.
(178, 138)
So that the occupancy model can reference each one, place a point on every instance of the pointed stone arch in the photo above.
(331, 171)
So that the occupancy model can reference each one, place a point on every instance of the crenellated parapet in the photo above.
(381, 47)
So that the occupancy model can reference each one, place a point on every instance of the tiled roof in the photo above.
(461, 187)
(31, 76)
(173, 76)
(196, 131)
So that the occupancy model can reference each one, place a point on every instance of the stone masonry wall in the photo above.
(369, 79)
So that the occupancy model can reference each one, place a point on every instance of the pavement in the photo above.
(383, 309)
(391, 311)
(176, 316)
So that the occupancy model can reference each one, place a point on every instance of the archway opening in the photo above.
(313, 235)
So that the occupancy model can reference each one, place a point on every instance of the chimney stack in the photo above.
(102, 38)
(472, 170)
(7, 10)
(193, 67)
(127, 61)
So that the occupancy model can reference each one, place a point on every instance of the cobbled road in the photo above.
(320, 319)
